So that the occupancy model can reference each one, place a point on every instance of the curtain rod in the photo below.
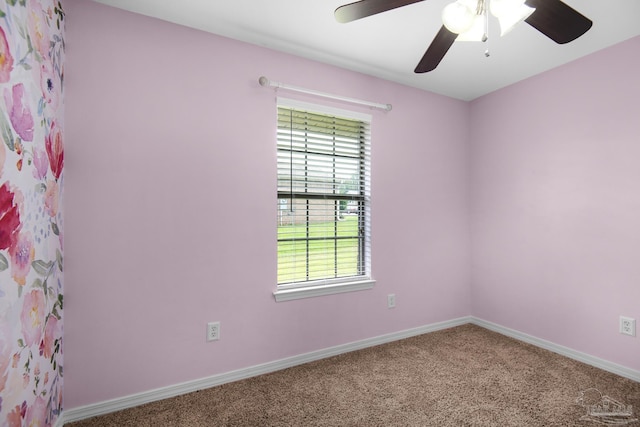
(266, 82)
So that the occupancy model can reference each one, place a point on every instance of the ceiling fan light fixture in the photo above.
(510, 13)
(474, 34)
(554, 19)
(457, 17)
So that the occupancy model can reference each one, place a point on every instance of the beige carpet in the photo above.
(464, 376)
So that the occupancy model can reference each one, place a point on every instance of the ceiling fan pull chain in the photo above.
(485, 36)
(485, 12)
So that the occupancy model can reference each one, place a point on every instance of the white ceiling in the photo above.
(390, 44)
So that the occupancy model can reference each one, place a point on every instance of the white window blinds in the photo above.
(323, 197)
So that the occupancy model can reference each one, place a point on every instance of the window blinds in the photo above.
(323, 164)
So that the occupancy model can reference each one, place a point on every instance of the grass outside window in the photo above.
(321, 253)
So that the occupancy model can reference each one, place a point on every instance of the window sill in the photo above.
(321, 290)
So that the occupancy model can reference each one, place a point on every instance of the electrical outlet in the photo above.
(628, 326)
(213, 331)
(391, 300)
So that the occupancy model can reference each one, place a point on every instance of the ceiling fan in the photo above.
(468, 20)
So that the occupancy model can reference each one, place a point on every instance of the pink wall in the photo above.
(556, 204)
(170, 207)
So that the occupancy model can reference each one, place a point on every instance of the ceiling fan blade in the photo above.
(436, 51)
(361, 9)
(557, 20)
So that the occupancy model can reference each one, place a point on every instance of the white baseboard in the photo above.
(605, 365)
(101, 408)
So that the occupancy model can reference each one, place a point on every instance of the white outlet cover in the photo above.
(213, 331)
(391, 300)
(628, 326)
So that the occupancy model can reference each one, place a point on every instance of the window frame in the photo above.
(314, 288)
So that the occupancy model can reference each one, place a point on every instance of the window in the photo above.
(323, 201)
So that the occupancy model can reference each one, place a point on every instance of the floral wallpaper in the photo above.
(31, 231)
